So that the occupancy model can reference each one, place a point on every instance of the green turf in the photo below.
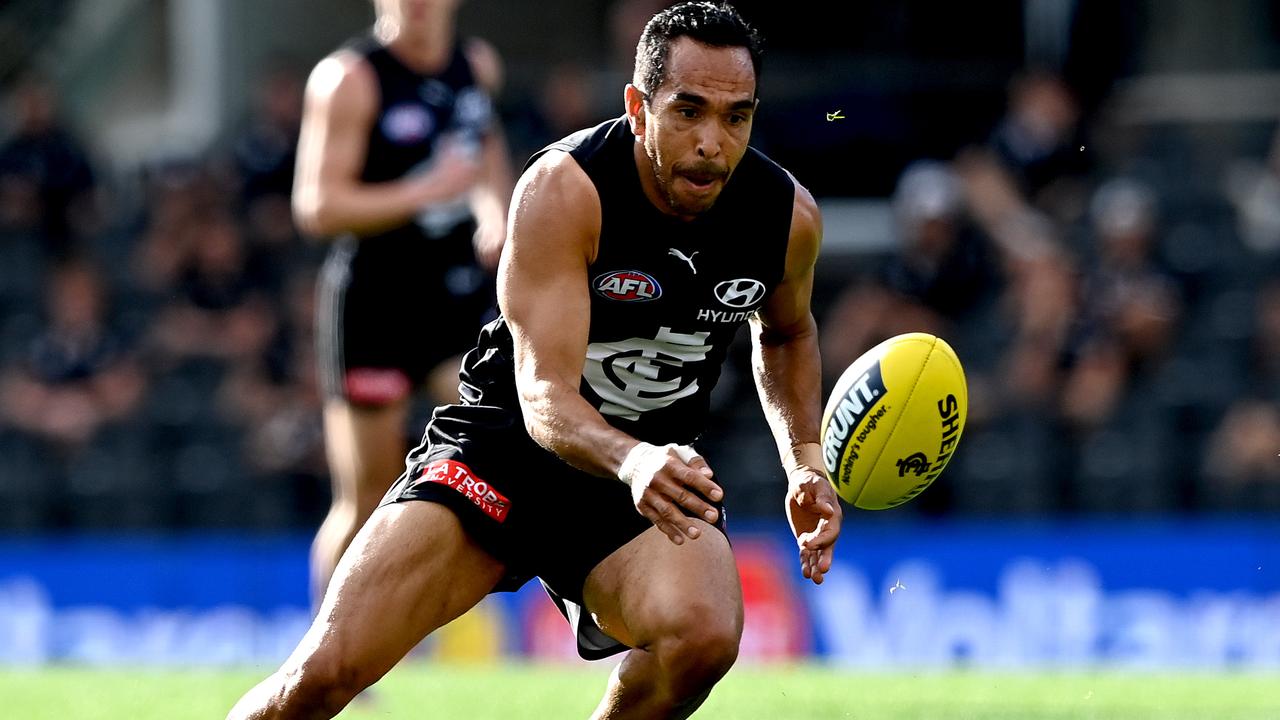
(772, 693)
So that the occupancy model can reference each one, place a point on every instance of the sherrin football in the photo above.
(893, 421)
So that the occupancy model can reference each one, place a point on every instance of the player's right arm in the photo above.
(543, 291)
(329, 198)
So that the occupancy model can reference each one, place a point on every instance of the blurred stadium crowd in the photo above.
(1119, 320)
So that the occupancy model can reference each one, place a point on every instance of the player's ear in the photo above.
(633, 98)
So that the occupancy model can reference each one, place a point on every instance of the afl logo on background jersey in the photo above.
(407, 123)
(627, 286)
(740, 293)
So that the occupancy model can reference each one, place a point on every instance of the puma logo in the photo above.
(688, 258)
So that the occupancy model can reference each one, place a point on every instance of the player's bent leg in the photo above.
(366, 449)
(410, 570)
(680, 608)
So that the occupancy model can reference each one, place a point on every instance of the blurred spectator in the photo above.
(1039, 307)
(220, 311)
(1130, 307)
(1038, 304)
(1264, 361)
(1254, 188)
(275, 397)
(941, 273)
(275, 249)
(179, 194)
(79, 373)
(45, 175)
(566, 101)
(265, 150)
(627, 19)
(1243, 450)
(1039, 143)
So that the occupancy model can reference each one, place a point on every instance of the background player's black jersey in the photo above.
(415, 110)
(375, 286)
(415, 113)
(667, 295)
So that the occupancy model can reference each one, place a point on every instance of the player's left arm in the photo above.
(788, 377)
(492, 193)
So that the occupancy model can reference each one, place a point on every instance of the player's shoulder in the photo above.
(343, 74)
(558, 177)
(557, 199)
(804, 208)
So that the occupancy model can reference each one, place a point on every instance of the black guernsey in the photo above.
(667, 295)
(415, 112)
(374, 287)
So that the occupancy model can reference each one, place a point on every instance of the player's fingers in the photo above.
(682, 490)
(696, 461)
(672, 516)
(823, 536)
(706, 486)
(810, 564)
(825, 558)
(698, 464)
(655, 512)
(820, 564)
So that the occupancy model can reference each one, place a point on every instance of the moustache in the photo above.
(702, 172)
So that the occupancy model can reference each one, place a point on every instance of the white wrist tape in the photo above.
(685, 452)
(631, 463)
(637, 457)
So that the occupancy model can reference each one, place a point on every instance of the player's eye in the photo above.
(737, 119)
(687, 113)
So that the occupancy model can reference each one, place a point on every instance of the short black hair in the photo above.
(711, 23)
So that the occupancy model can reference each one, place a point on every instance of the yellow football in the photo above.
(893, 420)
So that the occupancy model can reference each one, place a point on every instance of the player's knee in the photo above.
(699, 652)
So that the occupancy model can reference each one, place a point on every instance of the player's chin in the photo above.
(695, 203)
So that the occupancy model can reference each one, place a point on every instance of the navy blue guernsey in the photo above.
(415, 111)
(667, 295)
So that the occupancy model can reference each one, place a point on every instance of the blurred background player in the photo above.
(399, 161)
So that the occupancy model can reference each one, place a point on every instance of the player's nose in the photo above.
(709, 141)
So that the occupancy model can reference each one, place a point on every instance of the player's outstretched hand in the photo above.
(815, 516)
(668, 480)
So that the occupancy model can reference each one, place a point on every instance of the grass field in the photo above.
(769, 693)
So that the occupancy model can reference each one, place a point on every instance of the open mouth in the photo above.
(701, 182)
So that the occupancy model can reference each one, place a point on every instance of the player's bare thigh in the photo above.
(650, 584)
(410, 569)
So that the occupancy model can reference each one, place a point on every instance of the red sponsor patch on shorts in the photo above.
(376, 386)
(459, 477)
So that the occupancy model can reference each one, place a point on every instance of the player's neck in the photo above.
(421, 49)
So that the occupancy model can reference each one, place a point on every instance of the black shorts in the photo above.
(390, 308)
(526, 507)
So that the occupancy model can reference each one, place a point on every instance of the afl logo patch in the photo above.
(627, 286)
(740, 293)
(406, 124)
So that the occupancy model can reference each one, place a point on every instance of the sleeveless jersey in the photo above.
(415, 113)
(667, 295)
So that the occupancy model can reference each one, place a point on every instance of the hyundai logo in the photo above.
(740, 293)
